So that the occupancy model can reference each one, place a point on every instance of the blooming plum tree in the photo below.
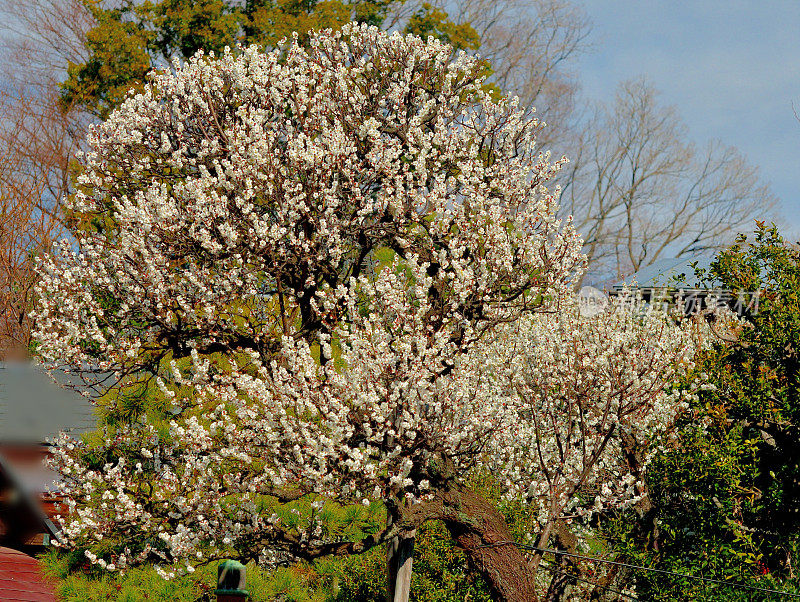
(593, 400)
(299, 273)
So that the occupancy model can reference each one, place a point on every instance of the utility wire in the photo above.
(643, 568)
(550, 566)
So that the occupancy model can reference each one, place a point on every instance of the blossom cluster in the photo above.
(592, 393)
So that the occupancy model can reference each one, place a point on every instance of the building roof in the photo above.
(675, 273)
(34, 408)
(21, 579)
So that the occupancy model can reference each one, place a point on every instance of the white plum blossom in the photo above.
(326, 267)
(591, 397)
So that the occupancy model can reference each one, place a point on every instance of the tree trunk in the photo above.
(564, 568)
(399, 562)
(482, 532)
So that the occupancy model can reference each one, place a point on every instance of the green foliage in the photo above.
(132, 37)
(727, 494)
(441, 570)
(267, 21)
(432, 21)
(182, 27)
(118, 61)
(77, 582)
(441, 574)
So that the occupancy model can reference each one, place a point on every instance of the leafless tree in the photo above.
(40, 38)
(639, 191)
(25, 231)
(43, 139)
(38, 140)
(530, 45)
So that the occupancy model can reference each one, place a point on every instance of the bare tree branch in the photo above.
(640, 192)
(38, 140)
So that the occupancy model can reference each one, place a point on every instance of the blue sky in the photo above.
(732, 69)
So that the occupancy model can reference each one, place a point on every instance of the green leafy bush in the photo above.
(726, 494)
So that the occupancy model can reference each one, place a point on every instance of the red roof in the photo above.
(21, 579)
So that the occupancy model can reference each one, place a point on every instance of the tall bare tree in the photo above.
(640, 191)
(40, 38)
(27, 228)
(531, 46)
(38, 140)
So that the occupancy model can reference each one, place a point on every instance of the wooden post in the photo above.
(400, 558)
(231, 582)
